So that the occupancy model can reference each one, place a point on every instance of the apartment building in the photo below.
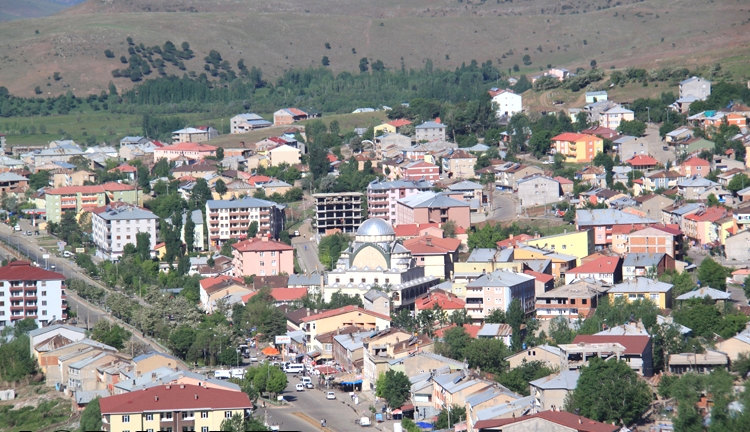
(117, 224)
(430, 130)
(496, 290)
(577, 147)
(338, 211)
(421, 170)
(31, 292)
(78, 198)
(175, 407)
(192, 150)
(230, 219)
(459, 164)
(602, 221)
(194, 135)
(431, 207)
(383, 196)
(262, 256)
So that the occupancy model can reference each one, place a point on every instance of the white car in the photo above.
(330, 395)
(299, 387)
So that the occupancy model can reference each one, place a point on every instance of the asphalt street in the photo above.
(338, 413)
(307, 249)
(505, 207)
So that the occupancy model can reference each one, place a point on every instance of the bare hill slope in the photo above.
(275, 35)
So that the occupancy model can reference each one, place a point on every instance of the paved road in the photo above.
(505, 207)
(307, 249)
(28, 246)
(338, 413)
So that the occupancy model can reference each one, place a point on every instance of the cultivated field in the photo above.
(278, 34)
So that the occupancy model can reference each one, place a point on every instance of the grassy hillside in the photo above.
(20, 9)
(275, 35)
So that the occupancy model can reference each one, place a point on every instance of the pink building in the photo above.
(262, 256)
(431, 207)
(383, 196)
(191, 150)
(421, 170)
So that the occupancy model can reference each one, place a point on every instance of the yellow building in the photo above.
(172, 407)
(560, 262)
(577, 147)
(385, 128)
(580, 244)
(641, 289)
(329, 320)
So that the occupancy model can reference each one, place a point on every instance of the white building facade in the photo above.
(117, 225)
(27, 291)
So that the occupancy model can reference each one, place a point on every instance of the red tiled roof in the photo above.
(106, 187)
(333, 312)
(599, 130)
(563, 180)
(209, 282)
(711, 214)
(331, 157)
(281, 294)
(445, 300)
(471, 330)
(174, 397)
(673, 229)
(24, 271)
(633, 344)
(412, 230)
(189, 146)
(400, 122)
(570, 136)
(422, 164)
(563, 418)
(513, 241)
(258, 244)
(642, 160)
(696, 161)
(541, 277)
(602, 265)
(124, 168)
(437, 246)
(258, 179)
(298, 112)
(461, 154)
(627, 229)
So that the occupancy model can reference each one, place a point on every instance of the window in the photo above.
(204, 429)
(227, 414)
(273, 253)
(654, 297)
(273, 263)
(44, 312)
(126, 419)
(583, 301)
(44, 302)
(572, 301)
(261, 254)
(188, 414)
(631, 296)
(204, 414)
(262, 264)
(149, 417)
(166, 416)
(149, 430)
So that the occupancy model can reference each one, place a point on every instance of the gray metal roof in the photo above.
(709, 292)
(505, 409)
(567, 380)
(431, 199)
(482, 255)
(84, 397)
(431, 125)
(697, 182)
(374, 294)
(247, 202)
(642, 259)
(641, 285)
(609, 217)
(465, 185)
(126, 213)
(48, 329)
(312, 279)
(499, 278)
(352, 341)
(399, 184)
(687, 208)
(9, 176)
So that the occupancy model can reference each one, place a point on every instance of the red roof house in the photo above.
(548, 420)
(175, 398)
(642, 162)
(437, 297)
(606, 268)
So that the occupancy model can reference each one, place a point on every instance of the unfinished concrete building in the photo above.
(338, 211)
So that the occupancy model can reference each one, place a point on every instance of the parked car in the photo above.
(299, 387)
(305, 380)
(296, 233)
(253, 358)
(309, 385)
(330, 395)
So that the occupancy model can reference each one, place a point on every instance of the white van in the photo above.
(222, 374)
(294, 368)
(305, 380)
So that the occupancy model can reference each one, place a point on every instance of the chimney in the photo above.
(153, 376)
(308, 312)
(182, 386)
(195, 396)
(428, 240)
(156, 398)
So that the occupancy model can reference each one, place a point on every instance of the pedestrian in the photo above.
(325, 422)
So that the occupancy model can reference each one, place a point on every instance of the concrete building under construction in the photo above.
(338, 211)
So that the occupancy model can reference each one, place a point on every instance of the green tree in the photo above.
(324, 61)
(447, 420)
(518, 378)
(334, 127)
(455, 341)
(560, 332)
(238, 424)
(16, 362)
(181, 339)
(110, 334)
(40, 178)
(220, 154)
(143, 245)
(487, 354)
(252, 229)
(394, 387)
(91, 417)
(738, 182)
(713, 274)
(633, 128)
(221, 188)
(449, 229)
(609, 391)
